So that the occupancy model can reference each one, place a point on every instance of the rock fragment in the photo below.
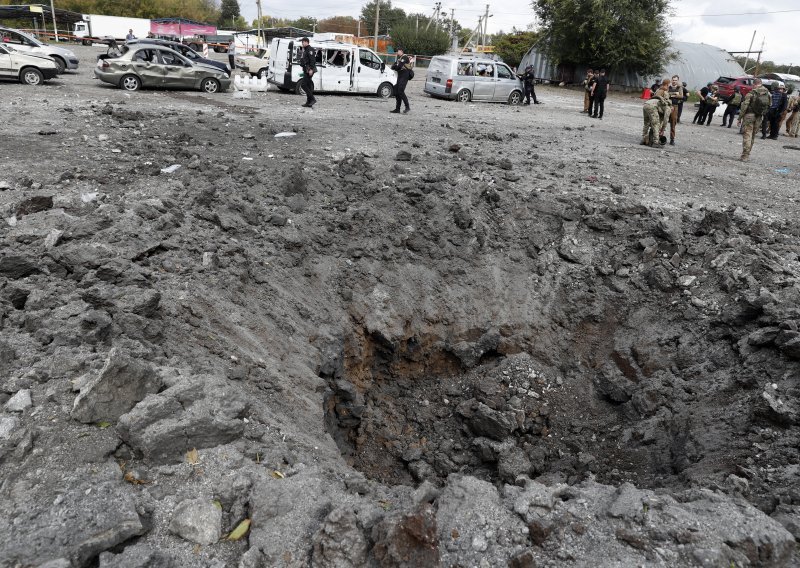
(120, 384)
(197, 520)
(20, 402)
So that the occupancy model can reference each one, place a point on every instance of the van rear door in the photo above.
(439, 71)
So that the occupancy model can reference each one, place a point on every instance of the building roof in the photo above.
(24, 12)
(696, 64)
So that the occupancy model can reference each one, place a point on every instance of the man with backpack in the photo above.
(732, 105)
(405, 71)
(754, 107)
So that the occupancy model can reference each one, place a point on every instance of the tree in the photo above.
(308, 23)
(387, 20)
(511, 47)
(420, 41)
(628, 34)
(228, 12)
(339, 25)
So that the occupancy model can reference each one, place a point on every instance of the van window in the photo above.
(440, 65)
(337, 57)
(465, 68)
(504, 72)
(369, 59)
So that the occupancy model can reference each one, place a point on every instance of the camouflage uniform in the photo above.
(656, 113)
(793, 122)
(750, 121)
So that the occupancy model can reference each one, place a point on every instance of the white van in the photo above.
(468, 78)
(341, 68)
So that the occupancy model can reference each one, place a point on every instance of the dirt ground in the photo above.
(473, 335)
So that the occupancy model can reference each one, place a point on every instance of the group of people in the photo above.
(760, 109)
(595, 87)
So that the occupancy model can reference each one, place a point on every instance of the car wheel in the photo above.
(515, 98)
(31, 76)
(209, 85)
(86, 42)
(386, 90)
(464, 96)
(262, 73)
(130, 83)
(298, 88)
(61, 64)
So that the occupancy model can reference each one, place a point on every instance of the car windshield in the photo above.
(725, 80)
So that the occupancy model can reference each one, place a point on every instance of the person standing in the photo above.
(712, 102)
(587, 86)
(701, 109)
(793, 117)
(401, 65)
(308, 64)
(591, 82)
(779, 104)
(676, 94)
(232, 55)
(527, 84)
(657, 112)
(685, 98)
(732, 105)
(130, 36)
(599, 92)
(754, 107)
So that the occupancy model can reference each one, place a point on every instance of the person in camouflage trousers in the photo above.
(750, 116)
(656, 111)
(793, 117)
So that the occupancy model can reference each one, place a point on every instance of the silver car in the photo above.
(149, 65)
(28, 68)
(23, 42)
(468, 78)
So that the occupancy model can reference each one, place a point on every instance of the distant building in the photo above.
(697, 64)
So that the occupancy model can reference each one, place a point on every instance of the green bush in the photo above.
(420, 42)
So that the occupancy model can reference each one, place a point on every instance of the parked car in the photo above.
(184, 50)
(341, 68)
(148, 65)
(468, 78)
(22, 42)
(257, 65)
(726, 85)
(28, 68)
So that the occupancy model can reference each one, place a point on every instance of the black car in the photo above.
(184, 50)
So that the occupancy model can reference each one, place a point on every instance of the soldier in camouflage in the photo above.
(657, 111)
(752, 111)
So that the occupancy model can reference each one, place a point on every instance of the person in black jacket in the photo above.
(402, 66)
(528, 79)
(309, 67)
(600, 90)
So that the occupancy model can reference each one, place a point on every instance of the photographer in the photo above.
(403, 67)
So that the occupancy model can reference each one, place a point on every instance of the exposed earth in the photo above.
(472, 336)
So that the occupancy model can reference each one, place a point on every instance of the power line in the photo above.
(736, 14)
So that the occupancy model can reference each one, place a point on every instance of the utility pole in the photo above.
(749, 50)
(758, 60)
(258, 12)
(377, 17)
(55, 27)
(453, 37)
(485, 25)
(358, 33)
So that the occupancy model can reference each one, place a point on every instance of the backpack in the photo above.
(410, 74)
(760, 102)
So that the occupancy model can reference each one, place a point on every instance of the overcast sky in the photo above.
(692, 20)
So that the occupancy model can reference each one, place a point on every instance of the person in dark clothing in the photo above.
(700, 115)
(712, 102)
(732, 105)
(309, 66)
(779, 103)
(685, 98)
(528, 79)
(402, 66)
(600, 90)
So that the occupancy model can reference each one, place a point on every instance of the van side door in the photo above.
(337, 64)
(506, 83)
(368, 71)
(5, 63)
(484, 82)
